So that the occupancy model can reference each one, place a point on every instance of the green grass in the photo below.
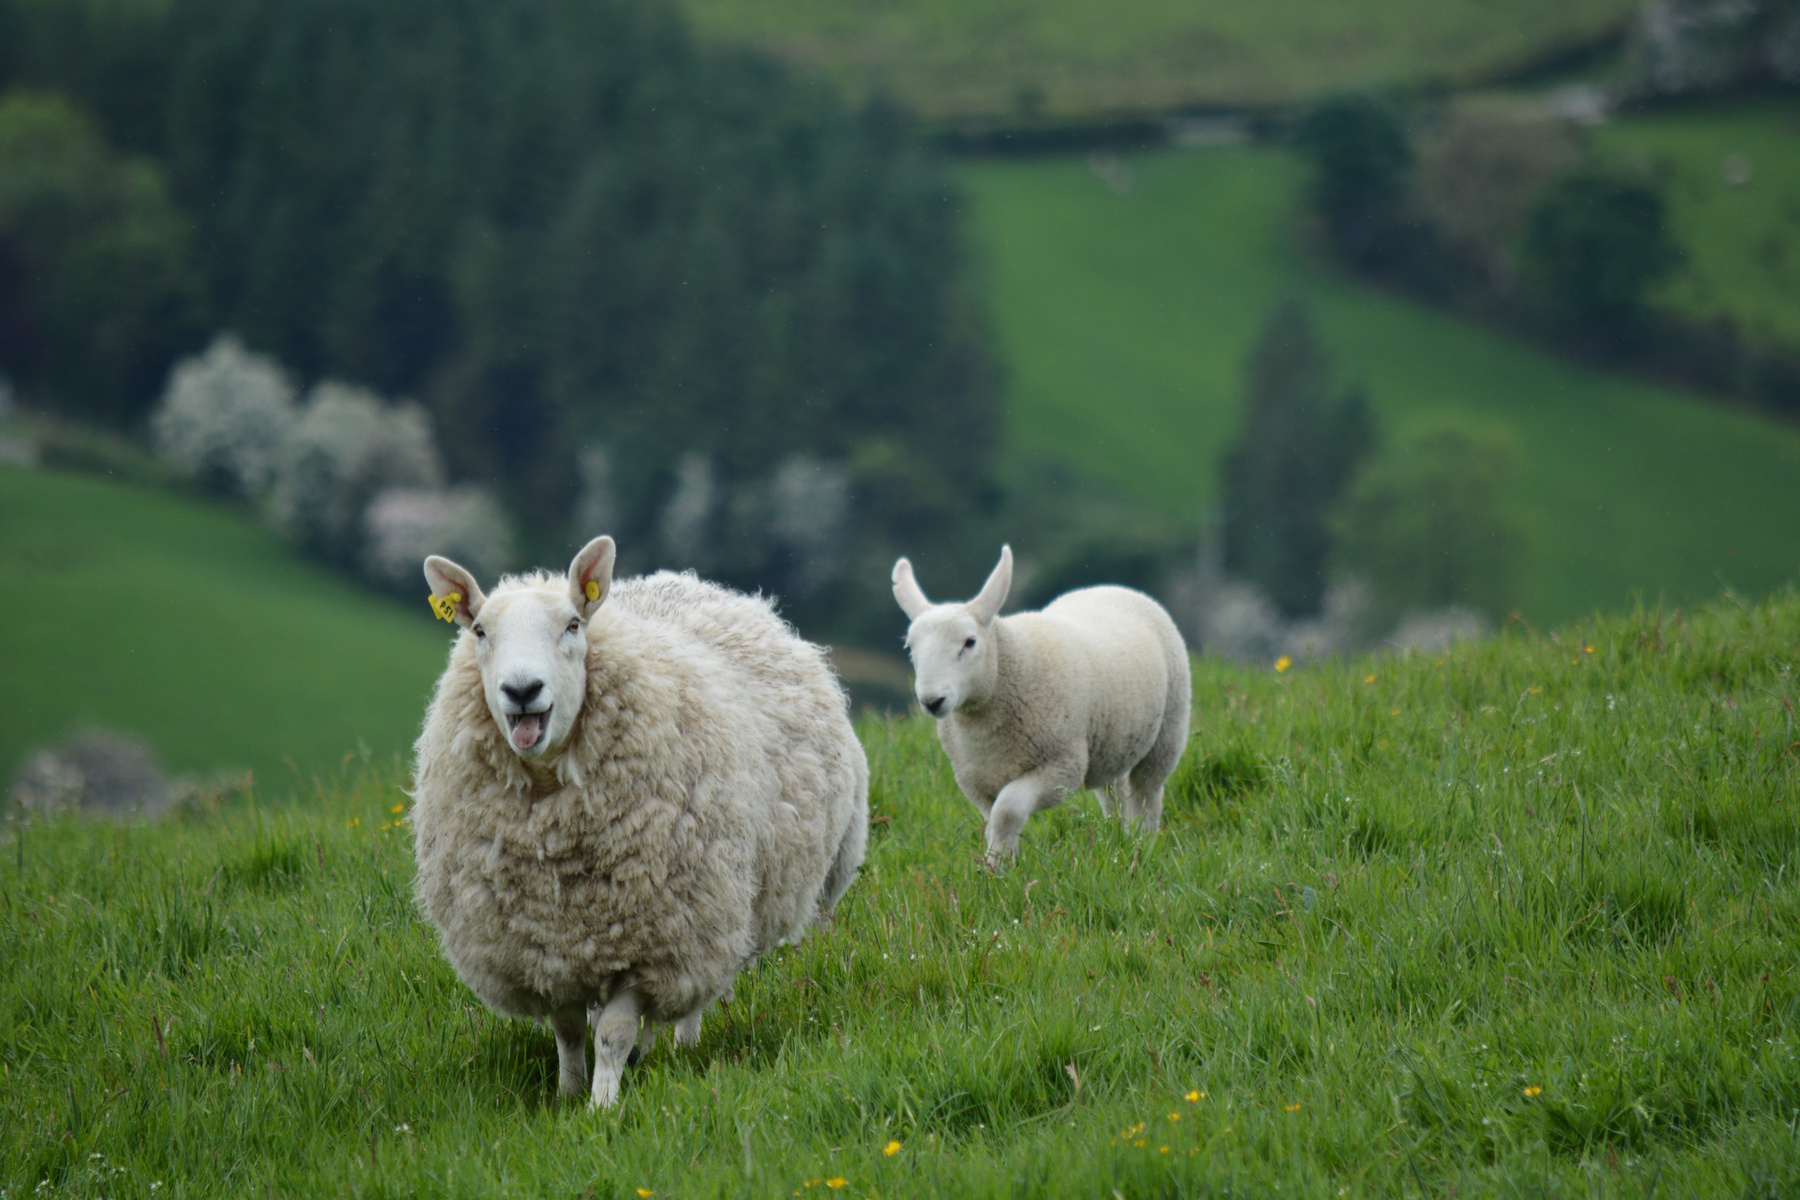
(189, 625)
(1063, 59)
(1742, 242)
(1125, 320)
(1518, 921)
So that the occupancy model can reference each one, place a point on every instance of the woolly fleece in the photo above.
(712, 800)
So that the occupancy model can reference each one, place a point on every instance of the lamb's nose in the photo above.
(523, 694)
(934, 706)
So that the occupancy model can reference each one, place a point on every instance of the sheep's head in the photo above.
(531, 642)
(952, 647)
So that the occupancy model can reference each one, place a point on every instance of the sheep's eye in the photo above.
(574, 626)
(969, 644)
(481, 633)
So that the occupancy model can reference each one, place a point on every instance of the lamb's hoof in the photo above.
(637, 1053)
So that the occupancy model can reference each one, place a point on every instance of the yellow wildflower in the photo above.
(891, 1149)
(1533, 1090)
(1162, 1149)
(1587, 649)
(837, 1181)
(1368, 679)
(398, 808)
(1174, 1116)
(1293, 1108)
(646, 1193)
(1283, 663)
(1195, 1096)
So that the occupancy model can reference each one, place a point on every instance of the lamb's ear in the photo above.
(448, 580)
(986, 606)
(906, 590)
(590, 575)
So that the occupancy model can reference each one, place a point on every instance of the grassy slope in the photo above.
(951, 58)
(1125, 320)
(1519, 921)
(1743, 242)
(189, 625)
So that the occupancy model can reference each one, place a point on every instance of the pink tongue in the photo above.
(526, 733)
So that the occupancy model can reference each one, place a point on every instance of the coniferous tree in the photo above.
(1298, 446)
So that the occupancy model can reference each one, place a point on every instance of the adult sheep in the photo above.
(1093, 691)
(624, 794)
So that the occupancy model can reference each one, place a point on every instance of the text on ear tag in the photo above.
(593, 590)
(445, 606)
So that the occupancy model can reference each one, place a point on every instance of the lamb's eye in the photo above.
(574, 626)
(969, 644)
(480, 633)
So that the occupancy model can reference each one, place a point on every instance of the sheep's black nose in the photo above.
(934, 706)
(523, 694)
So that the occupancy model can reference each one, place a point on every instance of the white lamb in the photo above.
(624, 794)
(1093, 692)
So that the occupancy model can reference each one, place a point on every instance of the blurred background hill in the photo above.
(1335, 326)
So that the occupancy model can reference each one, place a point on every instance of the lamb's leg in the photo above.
(1029, 793)
(615, 1033)
(570, 1025)
(1153, 770)
(646, 1042)
(687, 1030)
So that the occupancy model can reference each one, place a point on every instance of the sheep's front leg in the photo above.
(570, 1026)
(615, 1033)
(1031, 792)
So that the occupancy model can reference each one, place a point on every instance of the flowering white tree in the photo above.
(223, 418)
(347, 447)
(403, 525)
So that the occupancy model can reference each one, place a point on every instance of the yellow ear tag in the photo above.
(445, 606)
(593, 590)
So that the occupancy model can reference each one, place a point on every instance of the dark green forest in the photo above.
(558, 225)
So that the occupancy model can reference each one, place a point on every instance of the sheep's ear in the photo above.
(906, 590)
(986, 606)
(448, 580)
(590, 575)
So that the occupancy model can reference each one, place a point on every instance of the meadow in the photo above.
(1068, 61)
(188, 624)
(1124, 318)
(1512, 921)
(1731, 173)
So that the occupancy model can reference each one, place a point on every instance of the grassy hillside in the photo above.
(1741, 234)
(1061, 59)
(191, 626)
(1515, 922)
(1125, 320)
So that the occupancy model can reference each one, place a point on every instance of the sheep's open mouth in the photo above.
(527, 729)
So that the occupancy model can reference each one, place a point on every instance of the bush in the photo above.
(223, 418)
(1596, 242)
(1430, 524)
(404, 525)
(347, 447)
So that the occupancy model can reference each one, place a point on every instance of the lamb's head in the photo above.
(952, 646)
(531, 642)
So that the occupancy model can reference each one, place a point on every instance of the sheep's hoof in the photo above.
(606, 1090)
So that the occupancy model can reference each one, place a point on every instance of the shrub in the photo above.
(223, 418)
(1361, 156)
(1596, 242)
(347, 447)
(403, 525)
(1430, 525)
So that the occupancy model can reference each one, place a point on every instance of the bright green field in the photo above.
(189, 625)
(1519, 922)
(1125, 321)
(1062, 59)
(1743, 241)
